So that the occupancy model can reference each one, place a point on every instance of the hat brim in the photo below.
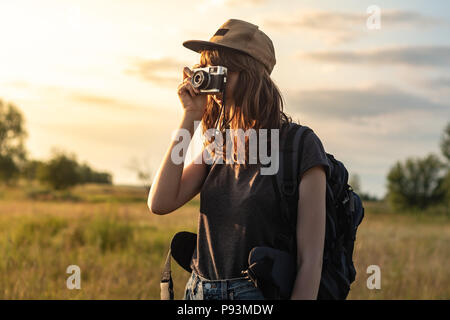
(200, 45)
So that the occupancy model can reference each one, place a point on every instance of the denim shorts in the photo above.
(199, 288)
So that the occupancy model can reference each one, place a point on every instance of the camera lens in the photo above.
(200, 79)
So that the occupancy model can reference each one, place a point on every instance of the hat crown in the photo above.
(242, 36)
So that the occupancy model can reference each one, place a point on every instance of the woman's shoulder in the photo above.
(292, 127)
(312, 150)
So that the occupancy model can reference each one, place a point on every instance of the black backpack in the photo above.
(344, 213)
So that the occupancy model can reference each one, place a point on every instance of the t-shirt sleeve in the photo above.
(313, 155)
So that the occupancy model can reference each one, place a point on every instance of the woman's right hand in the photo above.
(193, 102)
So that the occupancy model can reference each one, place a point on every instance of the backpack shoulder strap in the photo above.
(287, 179)
(290, 157)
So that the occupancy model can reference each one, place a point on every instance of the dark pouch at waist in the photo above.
(181, 249)
(272, 271)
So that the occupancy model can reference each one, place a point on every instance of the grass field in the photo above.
(108, 232)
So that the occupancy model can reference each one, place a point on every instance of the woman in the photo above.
(238, 206)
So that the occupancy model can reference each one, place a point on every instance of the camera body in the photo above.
(209, 80)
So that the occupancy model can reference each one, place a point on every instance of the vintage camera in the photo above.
(209, 80)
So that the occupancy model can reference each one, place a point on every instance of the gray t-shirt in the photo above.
(239, 211)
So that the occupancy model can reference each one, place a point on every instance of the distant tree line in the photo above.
(418, 183)
(61, 171)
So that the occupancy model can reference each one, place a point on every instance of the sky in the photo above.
(99, 78)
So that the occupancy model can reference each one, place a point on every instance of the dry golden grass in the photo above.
(121, 248)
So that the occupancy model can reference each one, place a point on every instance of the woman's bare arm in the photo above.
(174, 186)
(311, 218)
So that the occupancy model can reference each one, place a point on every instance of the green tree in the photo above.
(102, 177)
(30, 169)
(12, 135)
(9, 171)
(88, 175)
(445, 189)
(61, 172)
(445, 148)
(416, 183)
(445, 142)
(445, 182)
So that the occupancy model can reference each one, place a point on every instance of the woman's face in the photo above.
(232, 79)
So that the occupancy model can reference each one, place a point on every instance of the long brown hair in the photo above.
(258, 101)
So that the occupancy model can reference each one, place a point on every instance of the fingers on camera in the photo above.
(187, 85)
(191, 89)
(186, 72)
